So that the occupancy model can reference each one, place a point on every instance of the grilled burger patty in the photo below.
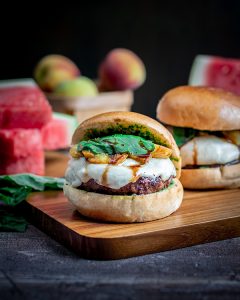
(143, 185)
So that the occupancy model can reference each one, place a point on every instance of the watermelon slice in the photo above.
(33, 163)
(57, 134)
(21, 151)
(23, 105)
(216, 72)
(71, 122)
(19, 142)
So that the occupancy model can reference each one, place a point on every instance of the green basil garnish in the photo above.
(117, 144)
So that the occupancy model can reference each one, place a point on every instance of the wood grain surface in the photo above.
(204, 216)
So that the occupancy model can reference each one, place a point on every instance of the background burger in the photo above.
(124, 168)
(205, 124)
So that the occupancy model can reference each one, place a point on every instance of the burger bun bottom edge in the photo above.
(126, 209)
(227, 176)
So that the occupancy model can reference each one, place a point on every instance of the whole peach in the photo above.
(81, 86)
(121, 69)
(54, 69)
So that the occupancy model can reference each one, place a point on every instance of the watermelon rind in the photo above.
(198, 71)
(71, 123)
(17, 82)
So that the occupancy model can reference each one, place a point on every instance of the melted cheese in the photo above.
(208, 150)
(116, 176)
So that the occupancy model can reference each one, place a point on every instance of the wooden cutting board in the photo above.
(203, 217)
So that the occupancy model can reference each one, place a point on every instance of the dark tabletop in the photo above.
(33, 266)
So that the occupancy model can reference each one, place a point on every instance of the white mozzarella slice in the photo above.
(156, 167)
(129, 162)
(117, 176)
(187, 153)
(76, 171)
(95, 171)
(208, 150)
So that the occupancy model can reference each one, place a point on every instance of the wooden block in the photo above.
(86, 107)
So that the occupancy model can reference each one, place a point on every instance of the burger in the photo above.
(205, 123)
(124, 167)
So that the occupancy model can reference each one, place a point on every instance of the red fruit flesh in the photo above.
(19, 142)
(23, 107)
(30, 164)
(55, 135)
(225, 74)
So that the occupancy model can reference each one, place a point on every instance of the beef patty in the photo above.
(143, 185)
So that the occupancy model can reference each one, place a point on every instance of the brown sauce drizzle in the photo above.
(195, 152)
(134, 171)
(141, 159)
(104, 177)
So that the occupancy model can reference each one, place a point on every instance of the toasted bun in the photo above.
(202, 108)
(126, 209)
(128, 123)
(210, 178)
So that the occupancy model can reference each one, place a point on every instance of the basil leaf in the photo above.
(14, 195)
(10, 220)
(95, 147)
(15, 188)
(183, 135)
(117, 143)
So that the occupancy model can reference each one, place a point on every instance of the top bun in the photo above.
(128, 123)
(202, 108)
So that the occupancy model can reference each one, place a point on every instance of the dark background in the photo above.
(165, 34)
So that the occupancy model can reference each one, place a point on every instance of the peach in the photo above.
(121, 69)
(81, 86)
(54, 69)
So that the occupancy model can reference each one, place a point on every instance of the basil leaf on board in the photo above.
(15, 188)
(10, 220)
(14, 195)
(183, 135)
(117, 143)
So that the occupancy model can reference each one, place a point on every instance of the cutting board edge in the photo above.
(101, 248)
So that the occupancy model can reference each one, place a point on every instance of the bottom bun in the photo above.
(227, 176)
(126, 209)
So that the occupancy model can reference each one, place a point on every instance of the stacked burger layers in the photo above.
(26, 128)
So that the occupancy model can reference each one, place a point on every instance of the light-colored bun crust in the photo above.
(126, 209)
(202, 108)
(211, 178)
(128, 123)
